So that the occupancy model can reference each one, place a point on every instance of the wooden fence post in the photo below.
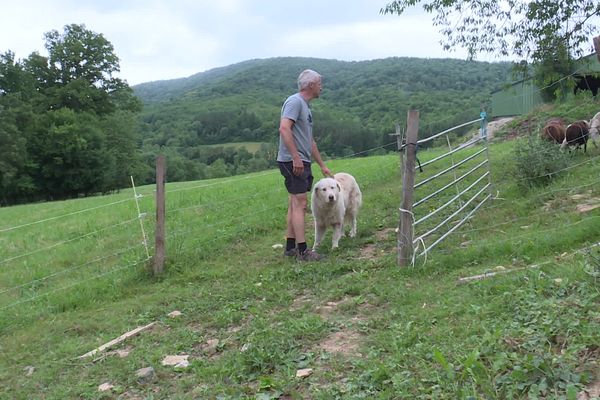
(405, 234)
(159, 249)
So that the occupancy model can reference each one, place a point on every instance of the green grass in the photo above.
(410, 332)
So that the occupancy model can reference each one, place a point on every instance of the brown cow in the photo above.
(577, 134)
(554, 131)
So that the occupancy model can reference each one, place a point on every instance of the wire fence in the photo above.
(439, 212)
(43, 259)
(45, 256)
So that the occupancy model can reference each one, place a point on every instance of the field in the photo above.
(75, 275)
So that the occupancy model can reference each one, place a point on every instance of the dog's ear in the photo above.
(339, 188)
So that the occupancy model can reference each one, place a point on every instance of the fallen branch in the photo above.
(490, 274)
(118, 340)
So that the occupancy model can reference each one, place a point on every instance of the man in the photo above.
(296, 146)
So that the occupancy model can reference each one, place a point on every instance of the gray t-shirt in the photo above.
(296, 109)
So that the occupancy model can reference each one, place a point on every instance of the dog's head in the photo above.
(328, 190)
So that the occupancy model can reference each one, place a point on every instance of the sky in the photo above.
(160, 40)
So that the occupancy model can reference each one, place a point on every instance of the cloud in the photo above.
(415, 37)
(157, 40)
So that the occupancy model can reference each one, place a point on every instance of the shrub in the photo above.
(538, 161)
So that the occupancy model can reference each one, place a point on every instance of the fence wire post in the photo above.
(484, 135)
(405, 233)
(159, 251)
(140, 217)
(454, 171)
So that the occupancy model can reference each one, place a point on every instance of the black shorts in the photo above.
(296, 184)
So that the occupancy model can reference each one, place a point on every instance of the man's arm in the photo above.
(317, 156)
(285, 131)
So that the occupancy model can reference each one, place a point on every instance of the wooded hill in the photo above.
(360, 104)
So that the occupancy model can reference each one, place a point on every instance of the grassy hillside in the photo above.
(366, 328)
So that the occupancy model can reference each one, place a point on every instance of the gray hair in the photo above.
(307, 77)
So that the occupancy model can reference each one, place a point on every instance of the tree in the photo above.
(68, 126)
(529, 30)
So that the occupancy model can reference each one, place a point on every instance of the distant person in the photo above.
(296, 146)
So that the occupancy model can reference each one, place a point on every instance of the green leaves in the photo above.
(69, 122)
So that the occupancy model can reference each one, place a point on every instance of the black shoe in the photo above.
(290, 253)
(309, 255)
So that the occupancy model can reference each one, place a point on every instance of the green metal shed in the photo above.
(523, 96)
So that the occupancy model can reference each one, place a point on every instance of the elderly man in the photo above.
(296, 149)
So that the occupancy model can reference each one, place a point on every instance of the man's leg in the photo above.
(296, 216)
(290, 245)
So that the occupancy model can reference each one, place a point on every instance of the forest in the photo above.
(359, 107)
(70, 128)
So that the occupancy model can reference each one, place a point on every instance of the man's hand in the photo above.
(326, 171)
(297, 166)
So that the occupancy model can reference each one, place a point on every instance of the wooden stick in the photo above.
(118, 340)
(490, 274)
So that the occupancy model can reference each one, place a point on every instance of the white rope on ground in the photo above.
(72, 285)
(74, 268)
(66, 241)
(62, 216)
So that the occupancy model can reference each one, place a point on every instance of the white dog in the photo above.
(335, 201)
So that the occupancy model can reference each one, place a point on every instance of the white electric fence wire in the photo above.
(430, 138)
(452, 200)
(72, 285)
(64, 242)
(140, 217)
(233, 200)
(449, 169)
(74, 268)
(454, 214)
(424, 199)
(561, 170)
(536, 233)
(439, 240)
(459, 148)
(63, 216)
(222, 182)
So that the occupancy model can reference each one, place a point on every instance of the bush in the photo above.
(538, 161)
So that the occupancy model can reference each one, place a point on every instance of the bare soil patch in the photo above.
(344, 342)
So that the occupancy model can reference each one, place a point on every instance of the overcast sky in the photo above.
(158, 40)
